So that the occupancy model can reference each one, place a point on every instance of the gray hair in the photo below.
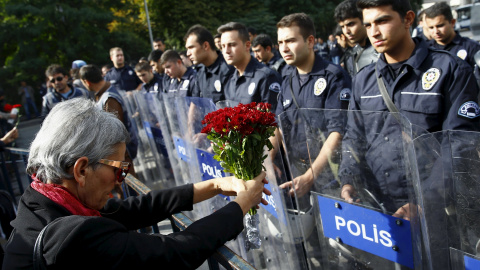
(74, 128)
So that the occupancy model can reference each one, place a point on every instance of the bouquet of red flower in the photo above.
(238, 136)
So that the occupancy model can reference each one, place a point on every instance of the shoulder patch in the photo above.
(320, 86)
(469, 109)
(251, 88)
(345, 94)
(429, 78)
(275, 87)
(217, 85)
(462, 54)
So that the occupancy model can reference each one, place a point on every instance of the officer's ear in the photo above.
(206, 46)
(248, 44)
(452, 22)
(268, 49)
(409, 18)
(310, 41)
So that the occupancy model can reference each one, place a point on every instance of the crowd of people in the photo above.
(370, 63)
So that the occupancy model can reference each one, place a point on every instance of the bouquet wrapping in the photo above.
(239, 136)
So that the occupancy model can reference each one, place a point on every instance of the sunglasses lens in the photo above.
(59, 79)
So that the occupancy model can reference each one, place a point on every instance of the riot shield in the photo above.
(151, 165)
(448, 190)
(353, 188)
(278, 230)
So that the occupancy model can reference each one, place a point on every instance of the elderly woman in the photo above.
(75, 160)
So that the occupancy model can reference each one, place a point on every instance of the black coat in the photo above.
(108, 242)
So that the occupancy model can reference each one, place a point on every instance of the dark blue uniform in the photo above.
(327, 86)
(155, 85)
(277, 64)
(257, 84)
(211, 80)
(184, 87)
(123, 78)
(433, 90)
(462, 47)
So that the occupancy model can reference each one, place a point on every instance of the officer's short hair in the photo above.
(143, 66)
(91, 73)
(56, 69)
(155, 55)
(400, 6)
(235, 26)
(169, 56)
(263, 40)
(217, 35)
(347, 10)
(252, 30)
(115, 49)
(158, 40)
(441, 8)
(305, 23)
(202, 35)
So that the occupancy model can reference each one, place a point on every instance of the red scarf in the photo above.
(62, 196)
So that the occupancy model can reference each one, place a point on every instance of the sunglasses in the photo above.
(121, 168)
(59, 79)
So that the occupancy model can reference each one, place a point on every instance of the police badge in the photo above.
(251, 88)
(429, 78)
(218, 86)
(320, 86)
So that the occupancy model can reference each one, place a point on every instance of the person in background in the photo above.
(122, 76)
(186, 61)
(26, 94)
(76, 65)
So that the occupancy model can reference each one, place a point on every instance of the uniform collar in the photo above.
(318, 68)
(274, 59)
(187, 73)
(457, 39)
(250, 69)
(419, 54)
(213, 68)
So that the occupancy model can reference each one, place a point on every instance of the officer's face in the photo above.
(233, 49)
(218, 43)
(293, 47)
(158, 45)
(442, 30)
(173, 69)
(157, 67)
(354, 30)
(145, 76)
(117, 58)
(59, 82)
(386, 30)
(261, 53)
(195, 52)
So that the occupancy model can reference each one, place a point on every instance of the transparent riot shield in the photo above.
(448, 193)
(151, 166)
(353, 188)
(279, 229)
(150, 115)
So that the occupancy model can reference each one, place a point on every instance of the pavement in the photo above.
(27, 129)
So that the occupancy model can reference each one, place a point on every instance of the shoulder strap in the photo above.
(383, 90)
(293, 95)
(38, 260)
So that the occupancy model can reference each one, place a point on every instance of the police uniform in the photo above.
(123, 78)
(52, 98)
(211, 80)
(326, 87)
(184, 87)
(155, 85)
(358, 57)
(462, 47)
(277, 64)
(257, 84)
(432, 89)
